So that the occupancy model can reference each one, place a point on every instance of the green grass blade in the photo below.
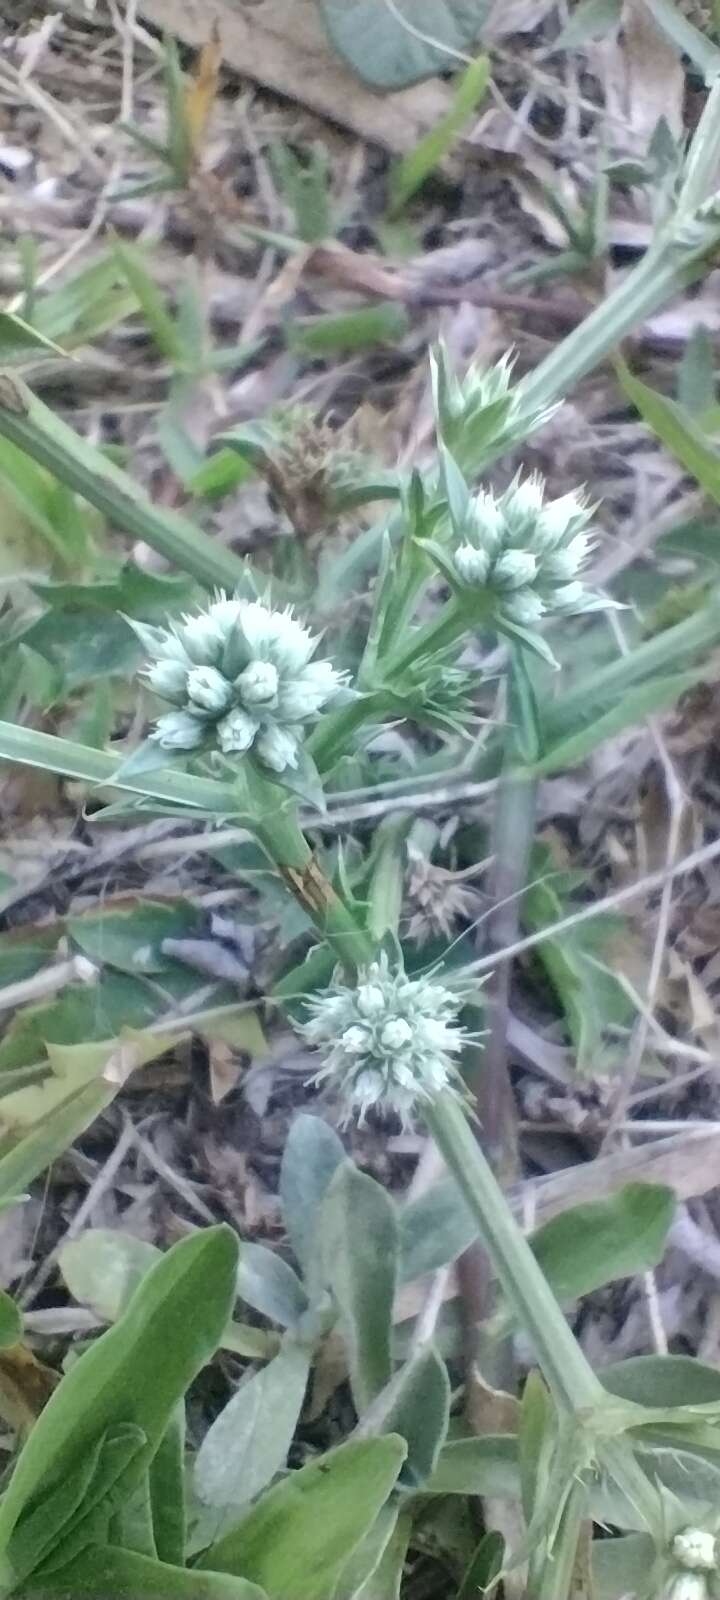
(26, 422)
(44, 750)
(417, 165)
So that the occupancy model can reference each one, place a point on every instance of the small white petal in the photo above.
(559, 517)
(569, 597)
(169, 680)
(258, 684)
(695, 1548)
(370, 1000)
(304, 696)
(224, 613)
(236, 732)
(356, 1041)
(488, 520)
(524, 499)
(396, 1034)
(277, 748)
(514, 569)
(523, 606)
(277, 636)
(208, 689)
(472, 565)
(201, 639)
(178, 730)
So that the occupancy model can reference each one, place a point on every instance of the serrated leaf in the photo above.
(387, 53)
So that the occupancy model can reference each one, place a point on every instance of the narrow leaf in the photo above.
(249, 1442)
(360, 1244)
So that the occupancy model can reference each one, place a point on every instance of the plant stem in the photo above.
(330, 739)
(274, 822)
(571, 1379)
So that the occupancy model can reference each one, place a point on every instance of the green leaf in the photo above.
(313, 1152)
(166, 1476)
(17, 335)
(482, 1572)
(348, 330)
(301, 1532)
(484, 1466)
(125, 1575)
(392, 48)
(360, 1245)
(384, 1581)
(434, 1229)
(417, 165)
(266, 1282)
(621, 1567)
(220, 474)
(66, 1519)
(248, 1442)
(11, 1323)
(305, 187)
(602, 1241)
(590, 20)
(696, 374)
(633, 707)
(663, 1381)
(679, 431)
(416, 1406)
(52, 443)
(137, 1371)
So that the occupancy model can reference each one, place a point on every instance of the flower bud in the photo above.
(524, 606)
(305, 695)
(695, 1548)
(514, 569)
(178, 730)
(370, 1000)
(356, 1040)
(201, 639)
(168, 679)
(236, 732)
(258, 684)
(472, 565)
(277, 748)
(396, 1034)
(208, 689)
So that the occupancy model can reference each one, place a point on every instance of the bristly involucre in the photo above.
(390, 1041)
(528, 552)
(241, 679)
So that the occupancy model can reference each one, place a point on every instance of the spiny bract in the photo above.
(241, 678)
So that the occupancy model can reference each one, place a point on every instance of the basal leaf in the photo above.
(390, 48)
(360, 1244)
(125, 1575)
(312, 1154)
(301, 1532)
(248, 1442)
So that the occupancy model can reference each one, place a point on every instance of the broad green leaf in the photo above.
(604, 1240)
(39, 1531)
(622, 1566)
(348, 330)
(385, 1580)
(119, 1447)
(357, 1573)
(249, 1442)
(302, 1531)
(483, 1571)
(663, 1381)
(312, 1154)
(677, 429)
(11, 1324)
(483, 1466)
(360, 1245)
(166, 1482)
(590, 20)
(125, 1575)
(417, 165)
(136, 1372)
(73, 1067)
(103, 1267)
(416, 1406)
(434, 1229)
(20, 1166)
(266, 1282)
(390, 48)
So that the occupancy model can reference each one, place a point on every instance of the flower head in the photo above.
(241, 678)
(481, 411)
(695, 1549)
(391, 1041)
(527, 551)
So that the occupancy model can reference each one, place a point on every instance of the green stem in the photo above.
(274, 822)
(332, 736)
(559, 1564)
(571, 1379)
(458, 618)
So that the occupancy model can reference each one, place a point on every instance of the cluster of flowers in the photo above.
(528, 552)
(390, 1041)
(241, 678)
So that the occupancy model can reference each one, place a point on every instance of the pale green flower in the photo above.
(390, 1041)
(695, 1549)
(242, 678)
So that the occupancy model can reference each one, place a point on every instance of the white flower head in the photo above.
(242, 678)
(390, 1041)
(482, 409)
(695, 1549)
(529, 553)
